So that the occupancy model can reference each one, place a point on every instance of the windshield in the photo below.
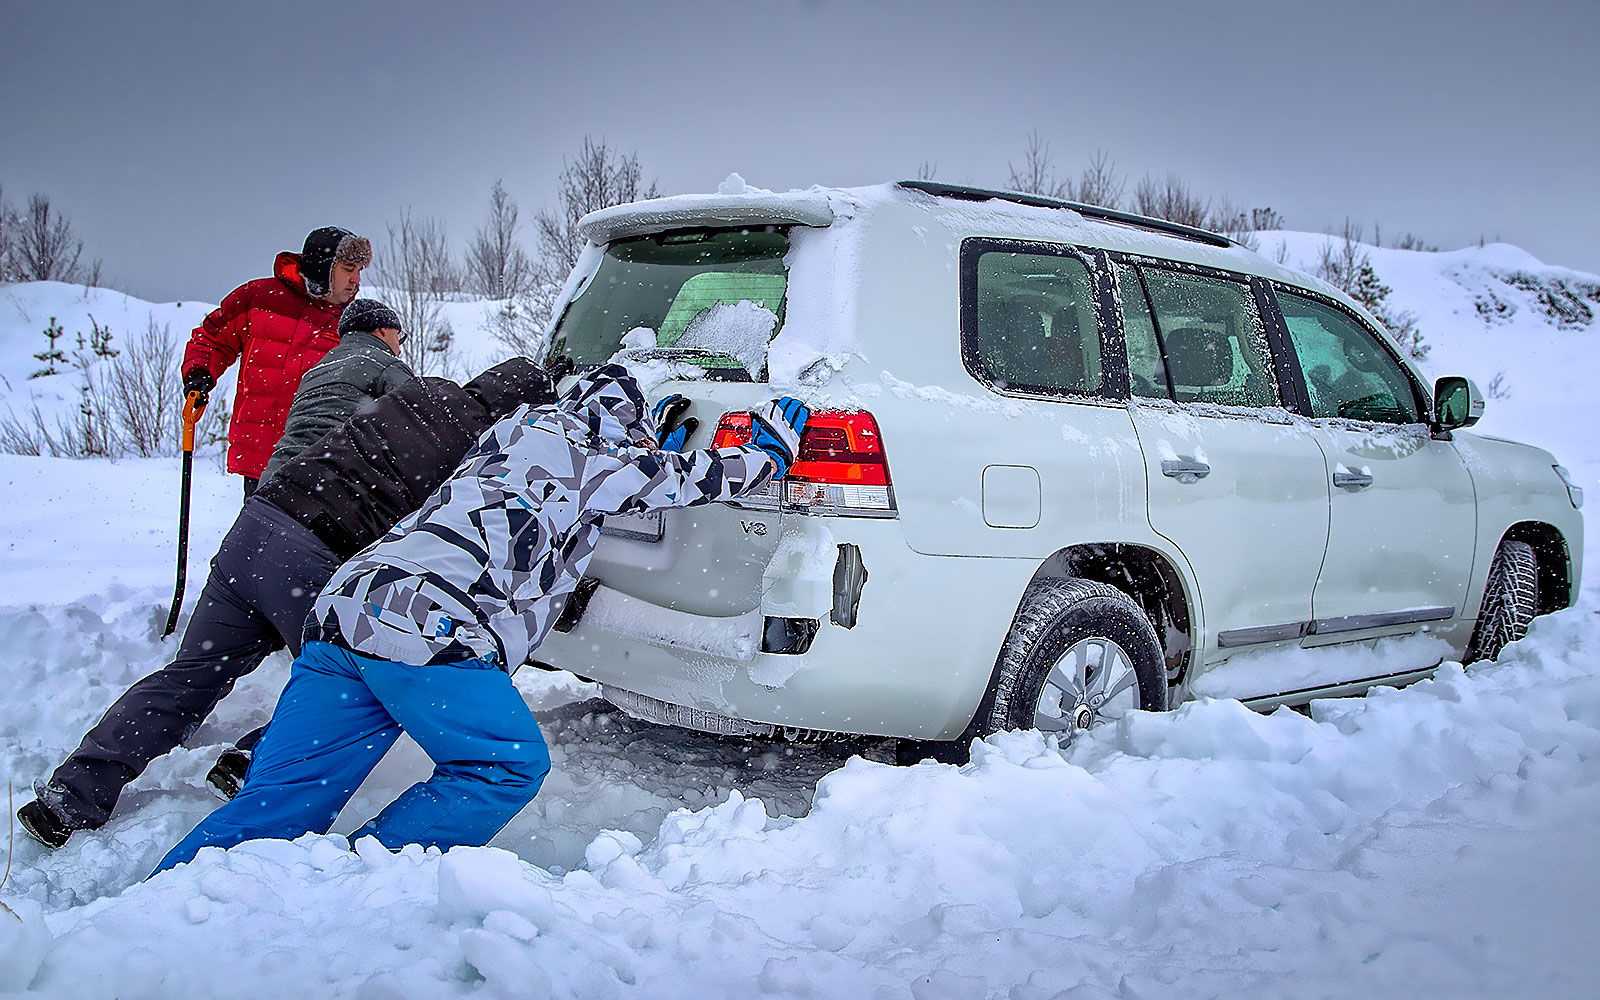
(711, 298)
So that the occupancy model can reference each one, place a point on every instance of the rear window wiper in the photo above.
(717, 366)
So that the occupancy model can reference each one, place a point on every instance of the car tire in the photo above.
(1510, 600)
(1072, 616)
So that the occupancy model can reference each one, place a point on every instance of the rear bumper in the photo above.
(915, 664)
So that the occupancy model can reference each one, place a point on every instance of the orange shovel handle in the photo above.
(192, 409)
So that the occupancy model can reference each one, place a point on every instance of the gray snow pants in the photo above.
(264, 579)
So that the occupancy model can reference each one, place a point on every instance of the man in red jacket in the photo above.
(279, 327)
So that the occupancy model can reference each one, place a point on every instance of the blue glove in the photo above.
(672, 427)
(776, 430)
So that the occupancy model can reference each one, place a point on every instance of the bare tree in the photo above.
(1341, 257)
(1099, 183)
(1037, 173)
(600, 176)
(1171, 199)
(45, 247)
(1232, 222)
(497, 267)
(1411, 241)
(417, 273)
(144, 392)
(927, 170)
(8, 238)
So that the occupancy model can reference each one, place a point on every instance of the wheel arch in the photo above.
(1554, 560)
(1154, 582)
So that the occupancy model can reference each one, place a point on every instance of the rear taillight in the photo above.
(841, 468)
(733, 430)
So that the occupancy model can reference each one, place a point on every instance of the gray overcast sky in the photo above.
(191, 141)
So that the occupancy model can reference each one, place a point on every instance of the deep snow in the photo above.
(1431, 841)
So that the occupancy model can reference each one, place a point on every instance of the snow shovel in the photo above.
(193, 406)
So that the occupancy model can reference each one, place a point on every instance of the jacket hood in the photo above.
(611, 403)
(287, 270)
(509, 385)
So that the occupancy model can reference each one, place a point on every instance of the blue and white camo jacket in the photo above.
(482, 569)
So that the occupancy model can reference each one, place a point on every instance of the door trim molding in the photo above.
(1262, 633)
(1383, 619)
(1254, 635)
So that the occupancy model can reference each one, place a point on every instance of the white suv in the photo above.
(1066, 462)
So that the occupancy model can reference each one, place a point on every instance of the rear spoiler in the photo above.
(706, 211)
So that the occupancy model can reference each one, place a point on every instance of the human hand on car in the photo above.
(776, 430)
(672, 426)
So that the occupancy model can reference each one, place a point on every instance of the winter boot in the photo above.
(44, 824)
(227, 774)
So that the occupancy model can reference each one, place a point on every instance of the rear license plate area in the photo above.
(639, 527)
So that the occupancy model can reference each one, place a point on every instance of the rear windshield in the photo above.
(711, 298)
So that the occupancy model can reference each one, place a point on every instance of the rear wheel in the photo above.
(1510, 600)
(1081, 653)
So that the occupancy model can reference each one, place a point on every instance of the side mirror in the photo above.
(1456, 403)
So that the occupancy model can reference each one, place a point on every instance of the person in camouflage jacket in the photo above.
(419, 631)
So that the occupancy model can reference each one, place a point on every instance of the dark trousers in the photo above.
(263, 581)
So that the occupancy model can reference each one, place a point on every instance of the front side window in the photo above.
(1216, 345)
(710, 298)
(1035, 326)
(1348, 372)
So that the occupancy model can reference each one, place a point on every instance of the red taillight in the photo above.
(841, 468)
(841, 446)
(733, 430)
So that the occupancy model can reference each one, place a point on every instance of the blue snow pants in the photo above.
(342, 711)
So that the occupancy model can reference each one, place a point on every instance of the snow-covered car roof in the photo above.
(972, 210)
(964, 212)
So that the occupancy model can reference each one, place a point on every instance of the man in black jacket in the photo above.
(316, 511)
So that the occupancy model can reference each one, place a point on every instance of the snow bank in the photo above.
(79, 528)
(1210, 851)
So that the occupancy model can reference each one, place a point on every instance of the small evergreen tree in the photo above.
(1371, 292)
(100, 340)
(1347, 265)
(52, 355)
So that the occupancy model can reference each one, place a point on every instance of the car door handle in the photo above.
(1185, 469)
(1352, 480)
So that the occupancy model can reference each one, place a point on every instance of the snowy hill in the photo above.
(1434, 841)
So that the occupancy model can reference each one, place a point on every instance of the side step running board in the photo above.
(1301, 696)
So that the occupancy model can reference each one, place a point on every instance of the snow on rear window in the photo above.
(740, 330)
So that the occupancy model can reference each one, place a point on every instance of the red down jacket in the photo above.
(281, 331)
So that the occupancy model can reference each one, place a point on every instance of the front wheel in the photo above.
(1510, 600)
(1081, 653)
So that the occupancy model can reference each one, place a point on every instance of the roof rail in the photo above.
(1088, 211)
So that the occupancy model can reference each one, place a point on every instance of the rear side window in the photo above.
(1216, 345)
(1348, 372)
(711, 298)
(1034, 327)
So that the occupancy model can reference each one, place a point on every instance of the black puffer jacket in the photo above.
(378, 466)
